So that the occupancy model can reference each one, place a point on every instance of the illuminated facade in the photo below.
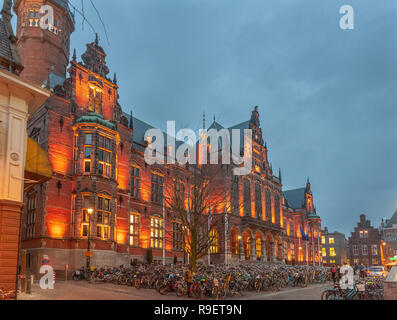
(97, 155)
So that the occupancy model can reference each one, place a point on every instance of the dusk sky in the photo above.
(327, 97)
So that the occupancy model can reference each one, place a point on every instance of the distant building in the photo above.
(334, 248)
(389, 236)
(364, 244)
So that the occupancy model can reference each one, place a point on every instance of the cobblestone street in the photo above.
(82, 290)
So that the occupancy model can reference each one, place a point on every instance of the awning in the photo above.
(38, 166)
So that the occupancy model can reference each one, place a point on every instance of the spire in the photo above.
(131, 122)
(204, 120)
(279, 174)
(115, 78)
(74, 58)
(96, 39)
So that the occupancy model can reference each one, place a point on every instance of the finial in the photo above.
(96, 39)
(74, 58)
(279, 174)
(214, 118)
(204, 120)
(115, 78)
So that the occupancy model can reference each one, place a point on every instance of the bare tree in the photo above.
(206, 192)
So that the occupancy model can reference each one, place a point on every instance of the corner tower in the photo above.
(42, 50)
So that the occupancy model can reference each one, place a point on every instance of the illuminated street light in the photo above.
(88, 254)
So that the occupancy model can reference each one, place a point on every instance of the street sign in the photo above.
(88, 254)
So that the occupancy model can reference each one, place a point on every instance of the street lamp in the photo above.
(239, 238)
(89, 212)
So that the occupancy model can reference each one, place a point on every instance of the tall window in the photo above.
(136, 182)
(374, 250)
(95, 100)
(103, 218)
(277, 207)
(258, 201)
(247, 246)
(157, 188)
(234, 242)
(85, 216)
(105, 156)
(31, 216)
(214, 241)
(235, 201)
(355, 250)
(364, 250)
(324, 251)
(156, 233)
(33, 17)
(323, 240)
(134, 229)
(87, 152)
(268, 205)
(331, 240)
(180, 191)
(332, 252)
(177, 236)
(247, 198)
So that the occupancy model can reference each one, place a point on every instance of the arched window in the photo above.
(214, 241)
(258, 247)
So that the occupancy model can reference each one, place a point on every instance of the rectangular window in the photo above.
(258, 201)
(324, 251)
(332, 252)
(364, 234)
(136, 182)
(103, 218)
(156, 233)
(356, 250)
(33, 17)
(268, 205)
(95, 100)
(157, 188)
(31, 216)
(323, 240)
(105, 147)
(177, 236)
(374, 250)
(331, 241)
(247, 198)
(134, 230)
(364, 250)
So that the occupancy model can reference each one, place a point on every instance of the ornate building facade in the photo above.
(103, 189)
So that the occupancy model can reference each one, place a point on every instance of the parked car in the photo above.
(377, 271)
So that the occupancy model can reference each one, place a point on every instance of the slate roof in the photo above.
(392, 221)
(295, 198)
(9, 57)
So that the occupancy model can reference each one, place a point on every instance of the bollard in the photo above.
(29, 286)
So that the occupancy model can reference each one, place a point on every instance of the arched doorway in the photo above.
(258, 247)
(247, 245)
(269, 249)
(234, 242)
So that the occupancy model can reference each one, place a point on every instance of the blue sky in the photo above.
(326, 97)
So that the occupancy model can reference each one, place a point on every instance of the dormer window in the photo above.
(33, 19)
(95, 100)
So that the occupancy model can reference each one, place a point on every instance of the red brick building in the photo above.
(97, 156)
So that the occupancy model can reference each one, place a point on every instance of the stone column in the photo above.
(241, 250)
(274, 258)
(263, 251)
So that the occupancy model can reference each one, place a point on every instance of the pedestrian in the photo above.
(189, 279)
(333, 272)
(338, 273)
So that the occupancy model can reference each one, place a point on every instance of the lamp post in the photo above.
(89, 212)
(239, 238)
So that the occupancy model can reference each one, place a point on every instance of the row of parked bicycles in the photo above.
(364, 289)
(6, 294)
(209, 282)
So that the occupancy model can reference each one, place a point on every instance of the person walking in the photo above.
(333, 273)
